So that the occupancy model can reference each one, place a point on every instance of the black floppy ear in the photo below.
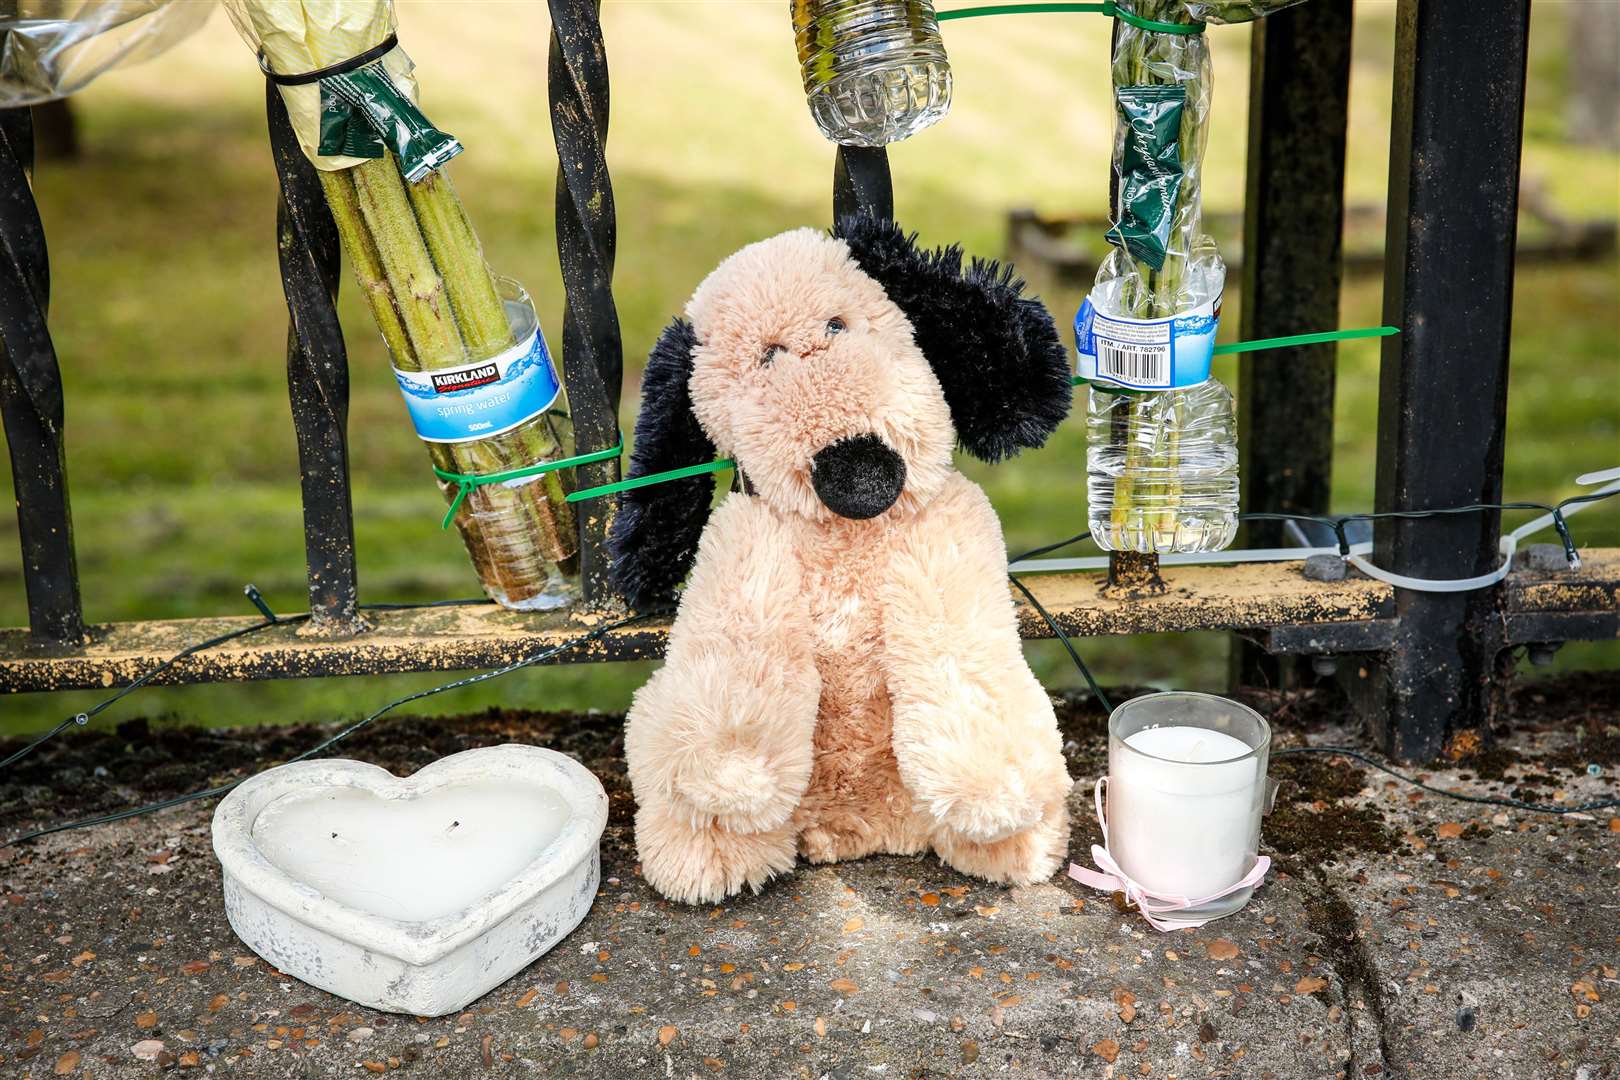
(654, 536)
(996, 354)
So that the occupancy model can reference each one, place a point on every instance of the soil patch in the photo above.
(1313, 821)
(83, 773)
(1308, 834)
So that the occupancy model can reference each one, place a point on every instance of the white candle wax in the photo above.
(1177, 823)
(410, 859)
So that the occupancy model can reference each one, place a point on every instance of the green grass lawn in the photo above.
(170, 324)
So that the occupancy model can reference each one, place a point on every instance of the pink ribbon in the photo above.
(1152, 904)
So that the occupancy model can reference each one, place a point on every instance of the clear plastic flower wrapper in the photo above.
(467, 351)
(1223, 12)
(875, 71)
(54, 48)
(1161, 438)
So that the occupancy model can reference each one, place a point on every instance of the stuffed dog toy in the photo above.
(844, 675)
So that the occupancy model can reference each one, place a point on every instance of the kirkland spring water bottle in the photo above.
(1162, 469)
(1161, 433)
(874, 70)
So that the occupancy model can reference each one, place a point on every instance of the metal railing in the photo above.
(1428, 660)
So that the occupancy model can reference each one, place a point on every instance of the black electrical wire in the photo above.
(1097, 691)
(468, 602)
(1034, 553)
(1337, 524)
(1057, 631)
(270, 619)
(80, 719)
(1484, 800)
(208, 793)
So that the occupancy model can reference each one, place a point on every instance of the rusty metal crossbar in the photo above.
(1427, 661)
(1274, 604)
(1084, 605)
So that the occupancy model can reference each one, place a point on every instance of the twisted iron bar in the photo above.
(592, 352)
(31, 396)
(317, 377)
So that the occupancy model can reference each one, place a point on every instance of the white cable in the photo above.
(1508, 546)
(1241, 555)
(1435, 585)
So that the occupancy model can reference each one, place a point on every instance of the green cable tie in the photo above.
(1304, 339)
(1287, 341)
(466, 482)
(1127, 16)
(718, 465)
(1108, 7)
(721, 464)
(1018, 9)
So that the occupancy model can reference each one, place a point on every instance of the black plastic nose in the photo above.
(858, 477)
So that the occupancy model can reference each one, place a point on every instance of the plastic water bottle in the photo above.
(874, 70)
(1162, 469)
(520, 533)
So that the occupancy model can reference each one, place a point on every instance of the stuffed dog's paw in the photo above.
(1027, 856)
(985, 797)
(724, 740)
(739, 791)
(987, 808)
(707, 864)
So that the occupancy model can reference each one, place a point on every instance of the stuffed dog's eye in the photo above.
(835, 325)
(769, 355)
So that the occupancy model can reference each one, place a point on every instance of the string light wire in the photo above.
(1337, 523)
(1484, 800)
(325, 744)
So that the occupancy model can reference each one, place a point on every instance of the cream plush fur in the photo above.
(835, 687)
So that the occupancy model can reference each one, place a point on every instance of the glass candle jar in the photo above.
(874, 70)
(1187, 787)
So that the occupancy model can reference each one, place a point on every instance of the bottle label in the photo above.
(481, 400)
(1146, 354)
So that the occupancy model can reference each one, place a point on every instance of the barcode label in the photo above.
(1144, 354)
(1144, 365)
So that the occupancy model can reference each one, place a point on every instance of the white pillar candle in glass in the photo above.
(1186, 789)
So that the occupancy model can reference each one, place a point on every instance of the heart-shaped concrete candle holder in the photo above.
(412, 895)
